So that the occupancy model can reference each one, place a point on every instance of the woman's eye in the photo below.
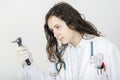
(57, 27)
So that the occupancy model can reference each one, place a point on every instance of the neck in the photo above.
(76, 39)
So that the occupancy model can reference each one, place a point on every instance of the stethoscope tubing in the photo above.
(63, 62)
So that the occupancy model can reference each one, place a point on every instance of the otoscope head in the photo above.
(18, 41)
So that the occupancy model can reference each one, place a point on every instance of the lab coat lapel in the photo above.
(85, 60)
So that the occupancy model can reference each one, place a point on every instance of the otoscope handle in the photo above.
(28, 62)
(19, 42)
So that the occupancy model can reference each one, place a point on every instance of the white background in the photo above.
(25, 18)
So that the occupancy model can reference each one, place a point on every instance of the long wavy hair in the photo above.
(73, 20)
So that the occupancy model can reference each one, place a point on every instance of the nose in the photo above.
(56, 33)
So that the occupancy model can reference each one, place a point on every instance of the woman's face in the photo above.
(61, 31)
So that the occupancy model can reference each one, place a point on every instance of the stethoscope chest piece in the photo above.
(92, 59)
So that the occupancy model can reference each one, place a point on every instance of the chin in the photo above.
(64, 42)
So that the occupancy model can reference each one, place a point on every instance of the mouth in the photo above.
(61, 39)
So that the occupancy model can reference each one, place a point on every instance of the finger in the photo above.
(20, 54)
(23, 57)
(19, 49)
(23, 52)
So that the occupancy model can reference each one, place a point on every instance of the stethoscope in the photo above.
(93, 59)
(61, 51)
(97, 60)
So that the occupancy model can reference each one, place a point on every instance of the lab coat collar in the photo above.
(81, 44)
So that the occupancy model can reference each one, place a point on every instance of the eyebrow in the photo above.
(54, 26)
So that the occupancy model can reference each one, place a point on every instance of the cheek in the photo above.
(68, 35)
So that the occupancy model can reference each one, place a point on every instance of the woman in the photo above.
(75, 48)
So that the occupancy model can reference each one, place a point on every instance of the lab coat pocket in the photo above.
(101, 74)
(97, 74)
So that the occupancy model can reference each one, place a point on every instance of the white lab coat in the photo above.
(78, 63)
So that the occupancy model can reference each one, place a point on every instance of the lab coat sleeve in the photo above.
(115, 63)
(32, 72)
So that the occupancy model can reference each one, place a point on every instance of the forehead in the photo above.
(53, 21)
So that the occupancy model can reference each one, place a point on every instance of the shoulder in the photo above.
(101, 41)
(103, 44)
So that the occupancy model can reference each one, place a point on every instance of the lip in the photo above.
(60, 39)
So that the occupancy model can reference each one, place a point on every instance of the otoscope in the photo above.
(19, 42)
